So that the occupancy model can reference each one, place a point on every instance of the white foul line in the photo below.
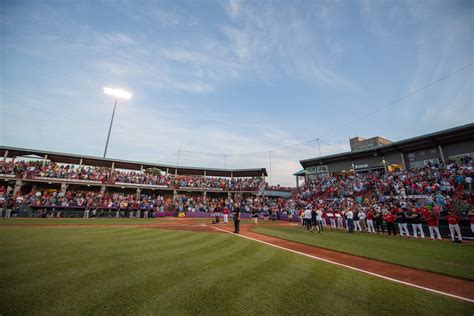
(350, 267)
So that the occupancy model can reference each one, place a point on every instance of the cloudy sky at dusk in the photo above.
(226, 83)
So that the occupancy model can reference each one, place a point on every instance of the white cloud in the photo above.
(233, 8)
(273, 42)
(165, 52)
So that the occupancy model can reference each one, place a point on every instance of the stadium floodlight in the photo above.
(117, 93)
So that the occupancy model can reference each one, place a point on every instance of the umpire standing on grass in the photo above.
(236, 214)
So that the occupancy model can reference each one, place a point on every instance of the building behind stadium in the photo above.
(380, 154)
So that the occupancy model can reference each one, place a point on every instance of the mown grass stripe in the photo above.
(200, 274)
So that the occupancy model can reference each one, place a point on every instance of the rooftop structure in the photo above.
(13, 152)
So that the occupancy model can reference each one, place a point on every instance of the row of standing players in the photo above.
(372, 223)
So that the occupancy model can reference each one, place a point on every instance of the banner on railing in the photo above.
(7, 176)
(199, 189)
(68, 180)
(152, 186)
(399, 197)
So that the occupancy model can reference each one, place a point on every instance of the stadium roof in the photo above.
(127, 164)
(300, 173)
(447, 136)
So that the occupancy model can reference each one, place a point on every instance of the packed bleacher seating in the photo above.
(443, 179)
(140, 178)
(374, 202)
(52, 170)
(30, 169)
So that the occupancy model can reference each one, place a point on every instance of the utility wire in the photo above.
(369, 113)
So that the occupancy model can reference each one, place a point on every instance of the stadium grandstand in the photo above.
(61, 176)
(450, 144)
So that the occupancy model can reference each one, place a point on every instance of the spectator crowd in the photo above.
(29, 169)
(397, 202)
(391, 202)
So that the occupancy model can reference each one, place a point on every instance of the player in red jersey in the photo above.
(433, 226)
(453, 221)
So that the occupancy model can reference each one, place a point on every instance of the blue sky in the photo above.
(230, 77)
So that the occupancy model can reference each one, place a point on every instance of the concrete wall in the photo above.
(373, 162)
(417, 157)
(339, 166)
(458, 149)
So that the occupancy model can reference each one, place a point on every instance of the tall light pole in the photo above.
(117, 94)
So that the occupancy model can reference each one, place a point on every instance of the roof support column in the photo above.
(81, 161)
(64, 188)
(403, 161)
(112, 170)
(18, 185)
(5, 155)
(205, 172)
(441, 153)
(44, 160)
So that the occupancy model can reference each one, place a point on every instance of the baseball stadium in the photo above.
(204, 199)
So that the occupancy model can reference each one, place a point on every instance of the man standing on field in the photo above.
(350, 221)
(402, 223)
(86, 211)
(433, 226)
(319, 220)
(389, 218)
(471, 219)
(236, 214)
(255, 216)
(453, 221)
(416, 223)
(307, 218)
(226, 215)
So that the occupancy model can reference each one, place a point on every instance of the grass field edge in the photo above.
(365, 257)
(354, 268)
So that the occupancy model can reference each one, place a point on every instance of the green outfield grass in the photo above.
(126, 270)
(113, 221)
(441, 257)
(92, 221)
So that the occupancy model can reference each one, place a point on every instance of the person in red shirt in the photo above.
(433, 225)
(425, 213)
(471, 219)
(370, 222)
(324, 218)
(453, 221)
(390, 220)
(226, 215)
